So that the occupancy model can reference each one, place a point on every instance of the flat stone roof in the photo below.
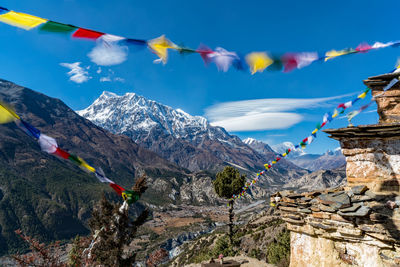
(366, 131)
(380, 80)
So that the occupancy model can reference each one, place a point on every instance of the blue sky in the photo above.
(33, 59)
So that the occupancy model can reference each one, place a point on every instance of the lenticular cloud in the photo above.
(108, 54)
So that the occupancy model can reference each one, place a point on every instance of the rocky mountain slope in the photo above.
(319, 180)
(189, 141)
(328, 161)
(51, 198)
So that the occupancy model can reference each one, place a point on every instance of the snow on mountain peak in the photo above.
(249, 141)
(133, 115)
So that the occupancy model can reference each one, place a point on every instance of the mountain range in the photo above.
(330, 160)
(51, 199)
(189, 141)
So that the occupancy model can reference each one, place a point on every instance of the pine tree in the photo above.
(227, 183)
(112, 231)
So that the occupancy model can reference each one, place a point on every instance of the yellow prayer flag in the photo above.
(363, 95)
(21, 20)
(315, 130)
(335, 113)
(284, 154)
(7, 114)
(258, 61)
(160, 47)
(86, 166)
(334, 53)
(273, 162)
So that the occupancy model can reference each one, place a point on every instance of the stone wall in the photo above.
(388, 103)
(346, 226)
(372, 155)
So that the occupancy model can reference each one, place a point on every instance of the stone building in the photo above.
(359, 224)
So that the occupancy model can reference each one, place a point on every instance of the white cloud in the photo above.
(119, 79)
(262, 114)
(105, 79)
(98, 71)
(76, 74)
(107, 54)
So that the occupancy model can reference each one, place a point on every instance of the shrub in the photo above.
(279, 251)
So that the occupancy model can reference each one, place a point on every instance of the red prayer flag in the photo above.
(61, 153)
(289, 62)
(88, 34)
(117, 188)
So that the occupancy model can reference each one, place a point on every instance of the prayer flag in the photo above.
(61, 153)
(160, 46)
(258, 61)
(21, 20)
(204, 52)
(289, 62)
(222, 58)
(52, 26)
(333, 53)
(28, 129)
(305, 59)
(47, 143)
(363, 47)
(117, 188)
(7, 114)
(88, 34)
(101, 176)
(110, 38)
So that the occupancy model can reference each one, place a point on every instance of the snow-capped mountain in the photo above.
(330, 160)
(259, 146)
(189, 141)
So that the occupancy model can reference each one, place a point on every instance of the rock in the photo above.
(304, 210)
(338, 201)
(377, 217)
(361, 212)
(288, 208)
(352, 208)
(316, 209)
(305, 199)
(285, 193)
(372, 228)
(322, 226)
(356, 199)
(350, 231)
(359, 189)
(370, 194)
(350, 193)
(294, 196)
(289, 220)
(326, 208)
(339, 218)
(288, 200)
(321, 215)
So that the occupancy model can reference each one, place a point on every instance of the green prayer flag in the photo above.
(130, 196)
(75, 159)
(52, 26)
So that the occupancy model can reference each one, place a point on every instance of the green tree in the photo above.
(228, 183)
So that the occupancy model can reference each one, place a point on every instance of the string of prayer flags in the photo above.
(50, 146)
(327, 118)
(255, 61)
